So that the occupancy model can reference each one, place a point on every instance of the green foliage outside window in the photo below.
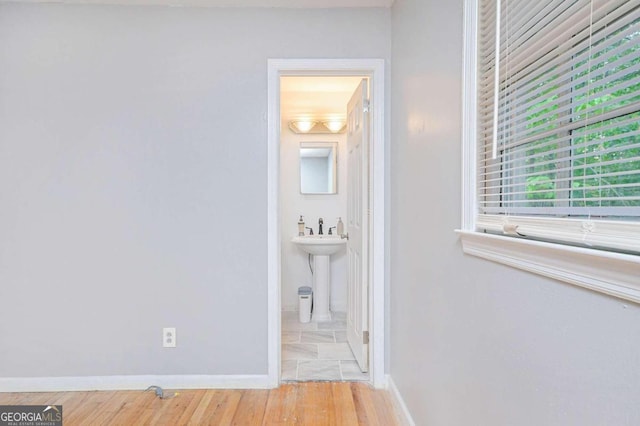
(602, 167)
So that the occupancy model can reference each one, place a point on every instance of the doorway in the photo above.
(317, 190)
(373, 71)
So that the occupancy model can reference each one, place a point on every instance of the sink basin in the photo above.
(320, 245)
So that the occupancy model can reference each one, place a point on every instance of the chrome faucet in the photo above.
(320, 226)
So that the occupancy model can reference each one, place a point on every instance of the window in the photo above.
(567, 141)
(552, 144)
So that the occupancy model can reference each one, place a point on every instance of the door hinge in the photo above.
(365, 337)
(365, 105)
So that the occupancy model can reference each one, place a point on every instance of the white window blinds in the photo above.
(559, 154)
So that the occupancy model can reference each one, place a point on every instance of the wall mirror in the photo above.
(318, 161)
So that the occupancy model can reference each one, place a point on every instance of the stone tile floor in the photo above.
(317, 350)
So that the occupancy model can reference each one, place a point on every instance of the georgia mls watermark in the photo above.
(30, 415)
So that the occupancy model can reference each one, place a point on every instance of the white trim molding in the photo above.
(612, 273)
(273, 224)
(98, 383)
(374, 69)
(469, 113)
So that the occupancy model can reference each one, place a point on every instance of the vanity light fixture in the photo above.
(302, 126)
(317, 126)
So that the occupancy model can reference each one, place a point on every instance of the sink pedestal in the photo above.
(321, 288)
(321, 247)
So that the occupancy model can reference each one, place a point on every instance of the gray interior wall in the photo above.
(472, 342)
(133, 181)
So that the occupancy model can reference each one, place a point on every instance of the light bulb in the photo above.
(334, 125)
(304, 125)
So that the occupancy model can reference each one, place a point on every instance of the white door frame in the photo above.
(374, 69)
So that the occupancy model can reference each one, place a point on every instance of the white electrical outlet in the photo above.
(169, 337)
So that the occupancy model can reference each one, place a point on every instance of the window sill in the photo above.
(606, 272)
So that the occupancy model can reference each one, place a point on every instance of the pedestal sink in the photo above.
(321, 247)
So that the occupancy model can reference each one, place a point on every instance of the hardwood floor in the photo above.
(308, 404)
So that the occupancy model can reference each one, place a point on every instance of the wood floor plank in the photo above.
(304, 404)
(365, 408)
(179, 404)
(12, 398)
(147, 412)
(131, 410)
(90, 407)
(187, 413)
(281, 406)
(301, 396)
(163, 409)
(318, 406)
(345, 409)
(251, 408)
(74, 401)
(105, 411)
(68, 400)
(197, 417)
(384, 409)
(223, 407)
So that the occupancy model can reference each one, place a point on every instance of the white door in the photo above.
(358, 224)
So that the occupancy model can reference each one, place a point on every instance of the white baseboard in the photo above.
(91, 383)
(398, 404)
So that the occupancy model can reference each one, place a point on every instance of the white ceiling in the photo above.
(316, 97)
(298, 4)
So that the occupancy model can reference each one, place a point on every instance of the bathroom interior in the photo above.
(313, 190)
